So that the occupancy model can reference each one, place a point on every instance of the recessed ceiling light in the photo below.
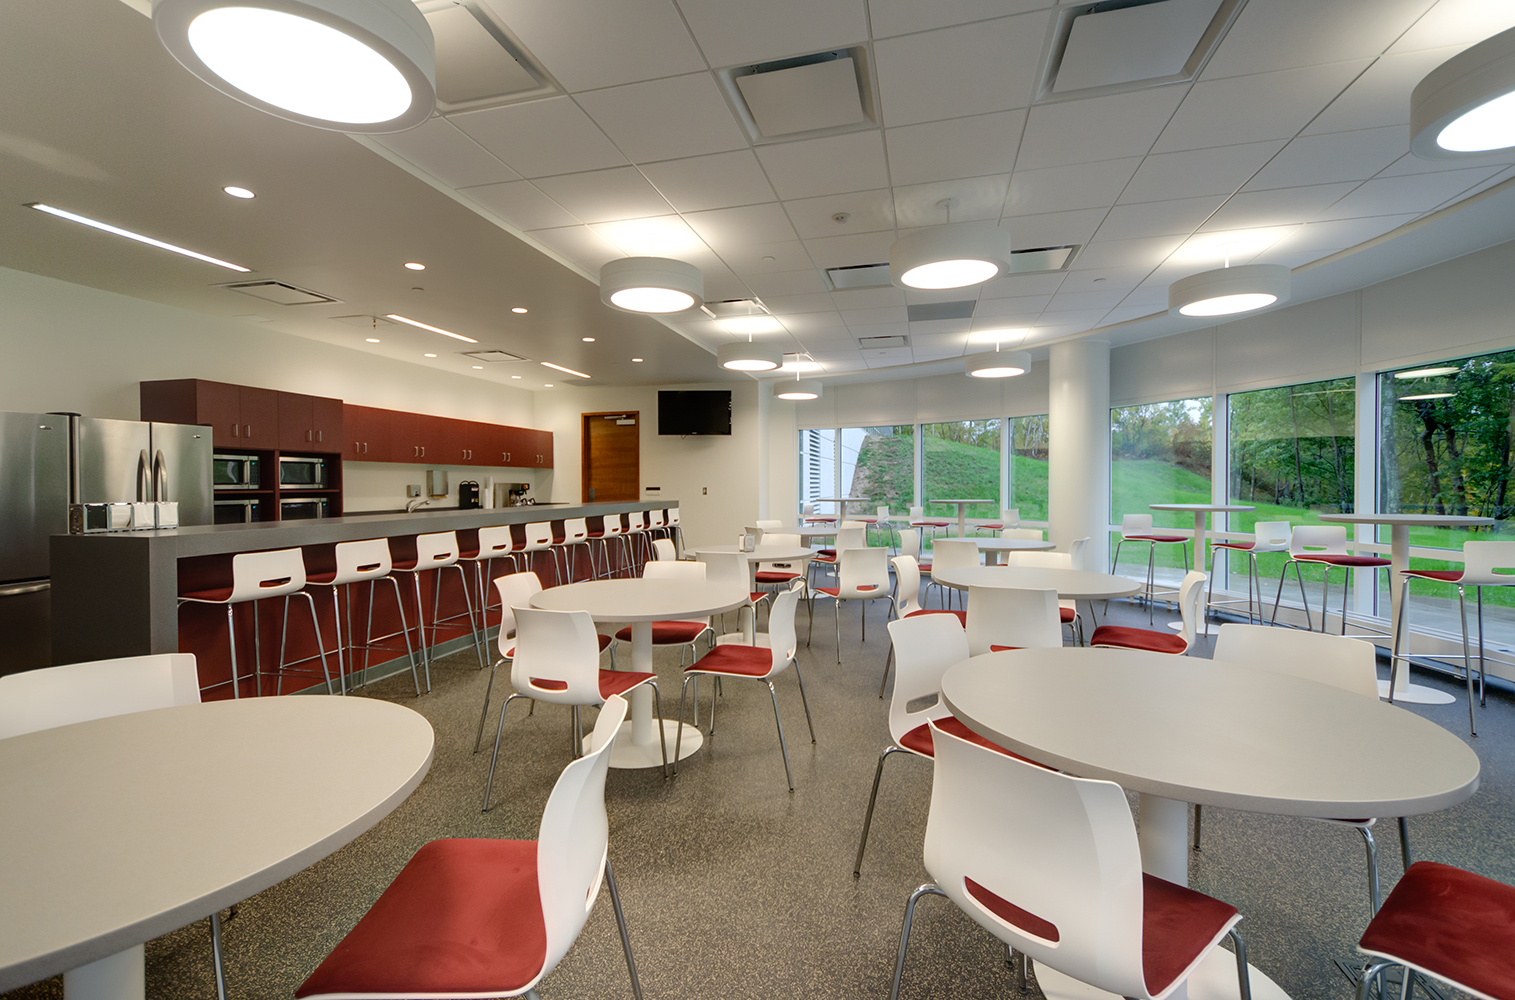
(433, 329)
(106, 227)
(238, 192)
(566, 371)
(372, 340)
(637, 360)
(1428, 372)
(587, 340)
(414, 266)
(478, 368)
(547, 385)
(515, 376)
(518, 309)
(429, 355)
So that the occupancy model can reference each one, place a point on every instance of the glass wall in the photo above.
(1159, 453)
(1027, 486)
(877, 463)
(961, 459)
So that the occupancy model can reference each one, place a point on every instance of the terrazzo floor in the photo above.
(735, 888)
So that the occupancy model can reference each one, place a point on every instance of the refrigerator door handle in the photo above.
(143, 472)
(160, 477)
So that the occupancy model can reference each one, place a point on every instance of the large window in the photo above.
(1160, 453)
(877, 464)
(960, 459)
(1028, 466)
(818, 465)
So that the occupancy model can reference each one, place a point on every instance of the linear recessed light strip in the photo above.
(567, 371)
(428, 326)
(117, 230)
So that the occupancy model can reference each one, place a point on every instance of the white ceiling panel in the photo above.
(522, 205)
(1065, 300)
(440, 149)
(664, 119)
(766, 258)
(1067, 321)
(1126, 313)
(1076, 185)
(1339, 235)
(1409, 163)
(1381, 96)
(1497, 179)
(1456, 22)
(784, 284)
(938, 327)
(847, 251)
(965, 70)
(974, 199)
(1148, 298)
(666, 235)
(867, 212)
(992, 312)
(1414, 193)
(541, 137)
(732, 228)
(732, 32)
(1284, 34)
(1334, 156)
(814, 324)
(589, 43)
(605, 195)
(1278, 207)
(1219, 170)
(1255, 108)
(960, 147)
(855, 318)
(831, 165)
(721, 180)
(898, 17)
(1126, 253)
(1108, 279)
(868, 298)
(788, 305)
(1053, 229)
(1020, 285)
(1099, 128)
(1157, 218)
(577, 243)
(887, 358)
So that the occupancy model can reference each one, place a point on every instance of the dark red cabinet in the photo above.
(366, 433)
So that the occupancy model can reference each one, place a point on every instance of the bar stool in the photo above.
(1323, 545)
(575, 534)
(539, 539)
(675, 533)
(437, 551)
(359, 562)
(1138, 528)
(811, 517)
(636, 540)
(257, 576)
(918, 520)
(1268, 536)
(1484, 564)
(1008, 518)
(494, 542)
(657, 524)
(610, 528)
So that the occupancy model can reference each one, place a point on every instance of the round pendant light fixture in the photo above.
(651, 285)
(1227, 291)
(951, 256)
(998, 364)
(745, 356)
(798, 389)
(365, 66)
(1466, 106)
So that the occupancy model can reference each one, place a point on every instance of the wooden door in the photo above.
(612, 457)
(260, 417)
(367, 433)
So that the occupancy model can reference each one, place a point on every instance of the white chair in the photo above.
(1267, 536)
(663, 550)
(770, 525)
(539, 539)
(473, 897)
(760, 663)
(907, 588)
(1191, 594)
(1484, 564)
(493, 542)
(729, 570)
(683, 632)
(882, 521)
(919, 520)
(1010, 618)
(809, 516)
(367, 561)
(777, 574)
(1349, 664)
(850, 535)
(675, 532)
(610, 530)
(910, 545)
(575, 536)
(1138, 528)
(1076, 552)
(557, 660)
(950, 554)
(862, 576)
(1323, 545)
(1008, 518)
(436, 552)
(1065, 889)
(755, 532)
(1067, 610)
(636, 539)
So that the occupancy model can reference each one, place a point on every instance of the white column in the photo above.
(1078, 481)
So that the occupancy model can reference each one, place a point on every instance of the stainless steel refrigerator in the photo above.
(49, 460)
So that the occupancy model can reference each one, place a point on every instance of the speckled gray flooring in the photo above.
(734, 888)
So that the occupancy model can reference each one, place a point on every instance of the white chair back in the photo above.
(365, 560)
(1076, 552)
(917, 512)
(495, 541)
(907, 586)
(1318, 540)
(1040, 560)
(573, 836)
(612, 525)
(516, 591)
(673, 517)
(853, 524)
(1488, 564)
(726, 569)
(776, 540)
(664, 551)
(575, 530)
(1270, 536)
(953, 553)
(436, 550)
(756, 531)
(910, 543)
(34, 700)
(783, 640)
(770, 525)
(1003, 616)
(1350, 664)
(924, 647)
(882, 514)
(851, 537)
(1191, 599)
(259, 575)
(1135, 524)
(1034, 534)
(862, 573)
(655, 519)
(557, 657)
(671, 569)
(538, 537)
(1010, 517)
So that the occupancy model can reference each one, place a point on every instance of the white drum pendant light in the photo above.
(1466, 106)
(950, 256)
(749, 357)
(998, 364)
(651, 285)
(1226, 291)
(798, 389)
(366, 66)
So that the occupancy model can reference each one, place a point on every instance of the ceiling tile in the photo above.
(1334, 156)
(1254, 108)
(1065, 322)
(847, 251)
(1456, 22)
(1414, 193)
(577, 243)
(588, 43)
(1076, 185)
(766, 258)
(1277, 207)
(1065, 300)
(831, 165)
(605, 195)
(966, 70)
(937, 327)
(996, 310)
(1157, 218)
(1107, 279)
(739, 31)
(720, 180)
(667, 235)
(1482, 185)
(665, 119)
(887, 358)
(541, 137)
(1219, 170)
(1148, 299)
(1340, 235)
(867, 212)
(787, 305)
(814, 324)
(868, 298)
(974, 199)
(961, 147)
(1020, 285)
(898, 17)
(855, 318)
(782, 284)
(1409, 163)
(440, 149)
(1381, 96)
(727, 228)
(1284, 34)
(522, 205)
(1053, 229)
(1099, 128)
(1127, 253)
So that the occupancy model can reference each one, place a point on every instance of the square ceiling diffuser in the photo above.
(817, 95)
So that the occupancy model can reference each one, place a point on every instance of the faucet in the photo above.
(410, 508)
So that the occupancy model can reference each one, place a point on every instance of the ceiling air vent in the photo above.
(496, 357)
(818, 94)
(882, 343)
(858, 276)
(478, 63)
(728, 308)
(925, 312)
(1030, 261)
(1026, 261)
(278, 291)
(1121, 45)
(365, 321)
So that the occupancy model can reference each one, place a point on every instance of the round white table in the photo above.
(123, 829)
(1199, 510)
(808, 533)
(962, 512)
(998, 545)
(642, 602)
(1178, 730)
(1070, 584)
(1399, 560)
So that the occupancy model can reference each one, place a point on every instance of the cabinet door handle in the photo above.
(415, 450)
(307, 435)
(236, 430)
(423, 451)
(318, 436)
(365, 447)
(249, 430)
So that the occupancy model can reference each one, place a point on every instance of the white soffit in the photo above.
(804, 98)
(1100, 50)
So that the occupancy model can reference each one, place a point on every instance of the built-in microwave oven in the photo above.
(302, 508)
(307, 472)
(234, 472)
(236, 511)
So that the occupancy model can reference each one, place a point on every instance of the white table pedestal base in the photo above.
(628, 753)
(1414, 694)
(118, 977)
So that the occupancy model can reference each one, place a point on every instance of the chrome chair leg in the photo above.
(1243, 974)
(620, 922)
(862, 842)
(1467, 658)
(1199, 812)
(930, 888)
(215, 954)
(1371, 847)
(783, 749)
(489, 782)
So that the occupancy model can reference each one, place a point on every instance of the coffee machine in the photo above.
(512, 495)
(468, 495)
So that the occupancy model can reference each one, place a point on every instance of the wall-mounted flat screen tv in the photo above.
(694, 412)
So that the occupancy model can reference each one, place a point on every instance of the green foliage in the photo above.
(961, 469)
(1177, 432)
(884, 471)
(1294, 445)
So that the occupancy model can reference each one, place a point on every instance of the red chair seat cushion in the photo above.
(1066, 615)
(668, 633)
(962, 616)
(1445, 575)
(833, 591)
(1126, 637)
(1356, 562)
(918, 740)
(1178, 924)
(738, 660)
(931, 524)
(463, 916)
(218, 595)
(1239, 546)
(621, 681)
(775, 576)
(1003, 649)
(1156, 538)
(1451, 923)
(758, 595)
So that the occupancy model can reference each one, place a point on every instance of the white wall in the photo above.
(925, 400)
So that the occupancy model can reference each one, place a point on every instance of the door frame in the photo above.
(584, 465)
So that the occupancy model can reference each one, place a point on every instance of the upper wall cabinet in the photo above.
(240, 416)
(377, 435)
(309, 423)
(367, 430)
